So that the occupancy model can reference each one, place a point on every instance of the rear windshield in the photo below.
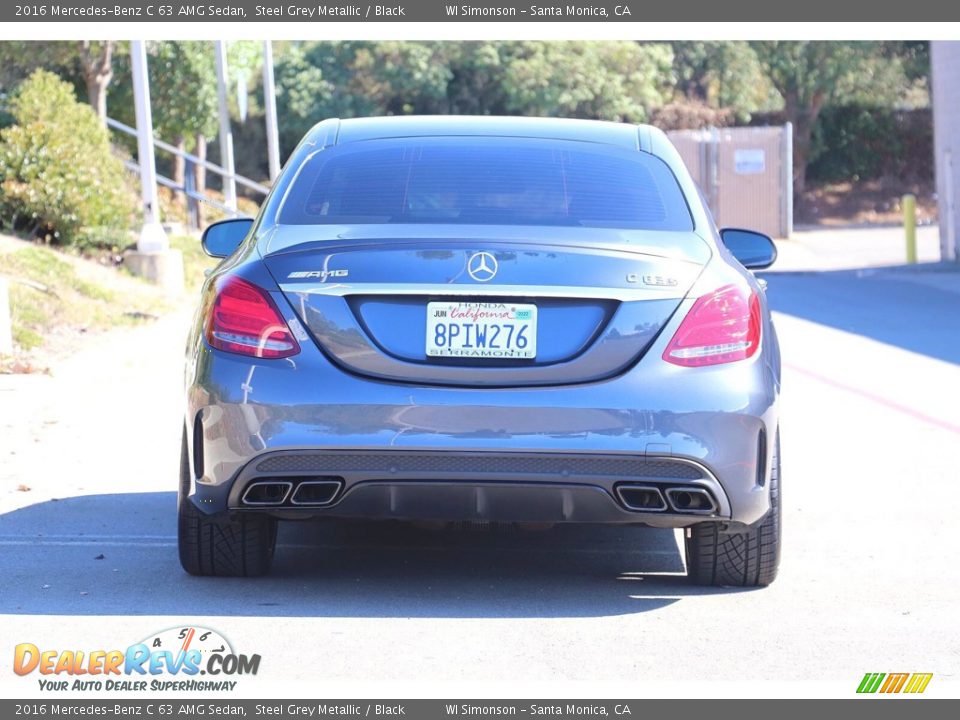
(486, 181)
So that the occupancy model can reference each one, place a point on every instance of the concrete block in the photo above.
(163, 268)
(152, 238)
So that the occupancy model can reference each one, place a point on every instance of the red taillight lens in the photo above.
(721, 327)
(243, 319)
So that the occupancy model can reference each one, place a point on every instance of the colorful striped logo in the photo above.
(894, 682)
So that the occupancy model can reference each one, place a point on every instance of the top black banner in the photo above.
(305, 11)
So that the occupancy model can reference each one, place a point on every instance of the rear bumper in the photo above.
(466, 486)
(545, 454)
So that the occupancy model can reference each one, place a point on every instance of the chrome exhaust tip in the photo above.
(692, 500)
(266, 493)
(316, 492)
(641, 498)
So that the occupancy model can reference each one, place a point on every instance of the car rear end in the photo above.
(496, 328)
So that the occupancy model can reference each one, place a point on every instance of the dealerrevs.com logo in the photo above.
(177, 659)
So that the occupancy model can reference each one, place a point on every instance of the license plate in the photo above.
(482, 330)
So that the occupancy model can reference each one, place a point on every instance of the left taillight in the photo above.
(243, 319)
(721, 327)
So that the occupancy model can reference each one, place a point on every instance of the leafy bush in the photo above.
(59, 179)
(864, 142)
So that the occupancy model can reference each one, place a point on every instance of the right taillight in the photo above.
(243, 319)
(721, 327)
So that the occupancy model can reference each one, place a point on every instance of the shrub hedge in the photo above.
(856, 142)
(60, 180)
(860, 142)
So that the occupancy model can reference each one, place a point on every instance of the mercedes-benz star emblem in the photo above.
(482, 266)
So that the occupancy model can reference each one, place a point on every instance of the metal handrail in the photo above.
(167, 182)
(245, 181)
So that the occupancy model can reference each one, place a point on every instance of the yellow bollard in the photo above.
(910, 226)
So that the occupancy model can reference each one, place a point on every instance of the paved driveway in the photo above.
(870, 581)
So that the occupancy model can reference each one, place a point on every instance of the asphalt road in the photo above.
(869, 580)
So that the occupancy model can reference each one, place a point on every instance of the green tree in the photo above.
(810, 75)
(600, 80)
(96, 67)
(20, 58)
(723, 74)
(617, 80)
(183, 93)
(303, 92)
(404, 77)
(183, 99)
(59, 179)
(477, 71)
(913, 55)
(87, 65)
(358, 78)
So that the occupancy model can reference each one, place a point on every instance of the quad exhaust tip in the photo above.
(267, 492)
(650, 498)
(691, 500)
(316, 492)
(274, 493)
(642, 497)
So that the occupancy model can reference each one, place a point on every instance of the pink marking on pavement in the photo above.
(879, 399)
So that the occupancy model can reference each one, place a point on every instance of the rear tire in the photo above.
(234, 546)
(739, 559)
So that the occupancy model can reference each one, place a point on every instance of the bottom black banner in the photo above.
(445, 709)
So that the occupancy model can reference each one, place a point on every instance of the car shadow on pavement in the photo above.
(117, 555)
(911, 306)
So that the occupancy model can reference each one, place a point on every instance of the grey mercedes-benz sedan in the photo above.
(515, 320)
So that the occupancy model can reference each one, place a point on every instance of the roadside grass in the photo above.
(58, 298)
(52, 293)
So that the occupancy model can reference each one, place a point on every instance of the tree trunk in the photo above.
(97, 92)
(96, 64)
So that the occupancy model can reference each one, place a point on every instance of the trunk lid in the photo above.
(593, 303)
